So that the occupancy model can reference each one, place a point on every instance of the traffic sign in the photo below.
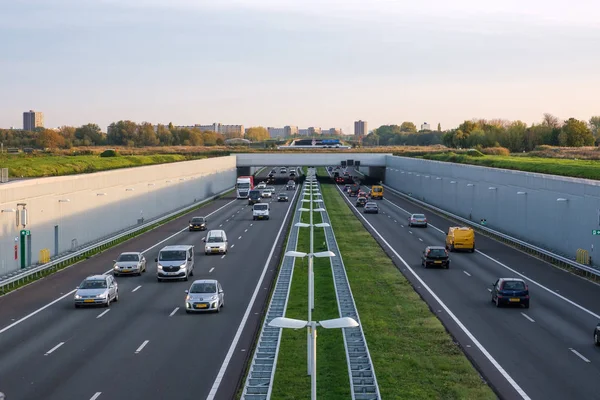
(27, 232)
(595, 232)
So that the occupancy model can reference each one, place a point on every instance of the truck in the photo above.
(244, 185)
(354, 189)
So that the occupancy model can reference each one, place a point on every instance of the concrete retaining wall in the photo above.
(96, 205)
(521, 204)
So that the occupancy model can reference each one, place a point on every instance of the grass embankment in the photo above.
(30, 166)
(589, 169)
(413, 355)
(291, 379)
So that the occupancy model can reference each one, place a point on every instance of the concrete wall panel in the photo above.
(523, 205)
(105, 202)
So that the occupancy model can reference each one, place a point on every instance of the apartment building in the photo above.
(32, 119)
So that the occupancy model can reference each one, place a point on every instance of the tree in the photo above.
(146, 135)
(164, 135)
(408, 127)
(595, 125)
(49, 139)
(551, 121)
(88, 135)
(515, 136)
(257, 134)
(576, 133)
(439, 127)
(68, 133)
(123, 133)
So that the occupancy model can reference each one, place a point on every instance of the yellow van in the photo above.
(377, 192)
(460, 238)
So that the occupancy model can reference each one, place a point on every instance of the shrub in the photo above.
(474, 153)
(109, 153)
(496, 151)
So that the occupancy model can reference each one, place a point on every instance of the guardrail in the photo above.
(259, 382)
(26, 274)
(556, 259)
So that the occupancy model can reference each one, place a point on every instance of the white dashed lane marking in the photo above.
(54, 348)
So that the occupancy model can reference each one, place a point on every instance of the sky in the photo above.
(320, 63)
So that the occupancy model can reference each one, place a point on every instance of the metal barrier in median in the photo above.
(259, 382)
(16, 277)
(360, 366)
(529, 248)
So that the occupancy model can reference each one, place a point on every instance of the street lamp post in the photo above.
(337, 323)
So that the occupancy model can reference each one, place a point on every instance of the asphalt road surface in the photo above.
(544, 352)
(145, 346)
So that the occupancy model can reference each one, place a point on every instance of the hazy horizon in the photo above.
(309, 63)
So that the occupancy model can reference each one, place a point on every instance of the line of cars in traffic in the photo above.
(504, 291)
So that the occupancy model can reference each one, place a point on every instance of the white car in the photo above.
(261, 185)
(266, 193)
(216, 242)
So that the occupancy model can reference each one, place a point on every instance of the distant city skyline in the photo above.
(246, 61)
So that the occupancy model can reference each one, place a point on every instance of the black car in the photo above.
(371, 208)
(254, 196)
(435, 256)
(510, 291)
(597, 335)
(283, 197)
(361, 201)
(198, 224)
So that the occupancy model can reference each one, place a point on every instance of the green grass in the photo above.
(291, 380)
(31, 166)
(58, 267)
(413, 355)
(589, 169)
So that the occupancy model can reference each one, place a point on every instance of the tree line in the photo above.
(121, 133)
(516, 136)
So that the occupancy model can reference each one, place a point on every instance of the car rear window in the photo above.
(261, 207)
(437, 253)
(418, 216)
(513, 285)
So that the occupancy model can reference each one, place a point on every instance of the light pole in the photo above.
(336, 323)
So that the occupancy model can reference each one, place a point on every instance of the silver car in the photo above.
(266, 193)
(97, 289)
(417, 220)
(204, 295)
(129, 263)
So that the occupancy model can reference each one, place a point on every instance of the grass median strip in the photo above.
(291, 379)
(413, 355)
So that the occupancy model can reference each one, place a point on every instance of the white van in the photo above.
(260, 211)
(175, 262)
(216, 242)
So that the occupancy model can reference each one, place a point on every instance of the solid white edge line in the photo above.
(578, 354)
(528, 317)
(466, 273)
(136, 289)
(238, 334)
(103, 313)
(139, 349)
(483, 350)
(54, 348)
(107, 272)
(174, 311)
(597, 316)
(95, 396)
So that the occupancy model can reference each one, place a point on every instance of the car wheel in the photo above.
(473, 250)
(452, 248)
(186, 278)
(76, 305)
(596, 339)
(492, 300)
(117, 296)
(192, 272)
(115, 274)
(448, 265)
(206, 253)
(497, 303)
(425, 225)
(107, 304)
(526, 305)
(218, 310)
(159, 280)
(188, 312)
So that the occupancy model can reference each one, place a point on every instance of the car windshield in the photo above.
(437, 253)
(377, 190)
(172, 255)
(203, 288)
(254, 193)
(198, 220)
(93, 284)
(282, 195)
(270, 188)
(513, 285)
(418, 216)
(128, 257)
(243, 185)
(261, 207)
(215, 239)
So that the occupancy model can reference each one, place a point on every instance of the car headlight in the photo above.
(188, 298)
(214, 297)
(182, 266)
(159, 267)
(77, 296)
(116, 266)
(102, 296)
(190, 225)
